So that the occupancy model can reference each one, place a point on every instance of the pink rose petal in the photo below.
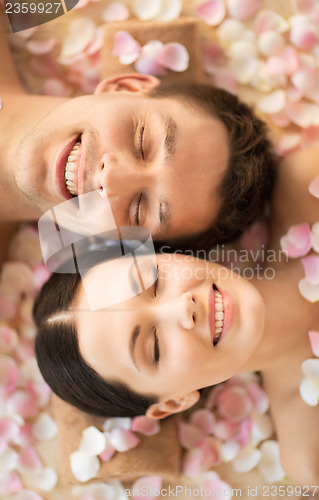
(97, 42)
(233, 403)
(126, 45)
(39, 47)
(108, 451)
(314, 187)
(24, 403)
(303, 36)
(269, 464)
(315, 237)
(9, 430)
(171, 9)
(247, 460)
(29, 461)
(309, 390)
(243, 10)
(151, 484)
(8, 339)
(147, 62)
(225, 429)
(211, 452)
(280, 119)
(123, 440)
(115, 11)
(303, 5)
(303, 114)
(290, 58)
(9, 374)
(311, 267)
(259, 397)
(192, 462)
(297, 241)
(84, 467)
(173, 56)
(314, 341)
(145, 425)
(310, 138)
(308, 291)
(273, 102)
(244, 432)
(214, 56)
(225, 79)
(146, 9)
(203, 419)
(7, 308)
(212, 12)
(25, 437)
(267, 20)
(190, 436)
(11, 484)
(288, 143)
(82, 32)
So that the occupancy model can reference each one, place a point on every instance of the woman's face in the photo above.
(161, 341)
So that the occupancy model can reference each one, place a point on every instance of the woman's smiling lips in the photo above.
(220, 313)
(60, 169)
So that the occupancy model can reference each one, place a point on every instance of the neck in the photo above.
(19, 115)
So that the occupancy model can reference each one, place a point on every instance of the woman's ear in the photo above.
(165, 408)
(134, 82)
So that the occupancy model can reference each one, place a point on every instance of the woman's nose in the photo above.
(182, 311)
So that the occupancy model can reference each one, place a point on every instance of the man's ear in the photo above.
(134, 82)
(165, 408)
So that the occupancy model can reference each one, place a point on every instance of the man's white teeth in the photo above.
(219, 316)
(71, 169)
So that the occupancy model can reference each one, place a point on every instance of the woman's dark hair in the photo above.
(247, 186)
(59, 357)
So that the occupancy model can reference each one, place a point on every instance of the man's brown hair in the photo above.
(247, 185)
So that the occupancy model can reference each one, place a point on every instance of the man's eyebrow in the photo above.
(135, 333)
(170, 137)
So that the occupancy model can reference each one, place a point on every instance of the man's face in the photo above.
(159, 162)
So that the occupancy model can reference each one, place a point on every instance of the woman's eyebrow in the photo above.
(170, 137)
(135, 333)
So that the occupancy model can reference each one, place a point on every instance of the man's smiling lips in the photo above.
(60, 169)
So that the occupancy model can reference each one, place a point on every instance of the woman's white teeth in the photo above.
(71, 169)
(219, 316)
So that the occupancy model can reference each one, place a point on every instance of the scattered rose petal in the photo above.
(297, 241)
(246, 70)
(114, 422)
(108, 451)
(247, 460)
(192, 462)
(267, 20)
(273, 103)
(314, 187)
(29, 461)
(93, 441)
(310, 138)
(24, 403)
(126, 47)
(270, 43)
(44, 427)
(214, 57)
(229, 450)
(259, 397)
(225, 79)
(82, 32)
(170, 10)
(147, 62)
(8, 339)
(230, 31)
(244, 432)
(115, 11)
(173, 56)
(309, 390)
(314, 341)
(303, 5)
(97, 42)
(269, 464)
(39, 47)
(225, 429)
(9, 374)
(145, 425)
(9, 430)
(243, 10)
(311, 267)
(123, 440)
(280, 119)
(211, 452)
(84, 467)
(203, 419)
(303, 114)
(8, 460)
(190, 436)
(146, 9)
(303, 36)
(310, 367)
(242, 50)
(10, 484)
(44, 480)
(233, 403)
(262, 428)
(150, 484)
(308, 291)
(212, 12)
(288, 143)
(315, 237)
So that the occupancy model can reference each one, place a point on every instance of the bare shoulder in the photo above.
(297, 430)
(292, 203)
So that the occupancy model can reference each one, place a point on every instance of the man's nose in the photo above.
(118, 176)
(181, 311)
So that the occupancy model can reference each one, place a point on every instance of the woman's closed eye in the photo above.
(156, 282)
(141, 141)
(156, 348)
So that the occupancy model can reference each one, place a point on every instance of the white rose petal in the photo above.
(44, 427)
(247, 460)
(93, 441)
(84, 467)
(269, 464)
